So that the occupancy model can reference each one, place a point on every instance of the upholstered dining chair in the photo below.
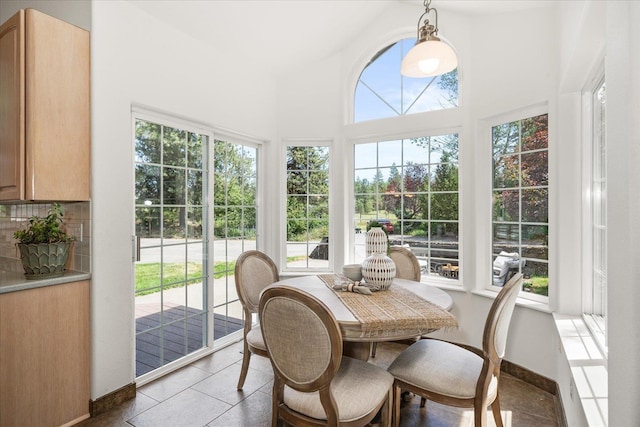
(452, 375)
(314, 384)
(407, 267)
(254, 271)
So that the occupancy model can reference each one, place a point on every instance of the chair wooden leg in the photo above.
(374, 346)
(479, 414)
(495, 408)
(276, 421)
(396, 405)
(386, 414)
(423, 402)
(245, 366)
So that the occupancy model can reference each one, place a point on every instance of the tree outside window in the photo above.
(307, 207)
(521, 197)
(414, 183)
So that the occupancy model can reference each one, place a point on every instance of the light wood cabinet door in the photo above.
(12, 165)
(57, 115)
(45, 355)
(45, 153)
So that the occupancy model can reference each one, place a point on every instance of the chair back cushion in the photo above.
(254, 271)
(302, 337)
(407, 265)
(496, 328)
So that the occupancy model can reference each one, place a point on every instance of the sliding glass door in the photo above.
(171, 271)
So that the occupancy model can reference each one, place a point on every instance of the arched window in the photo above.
(383, 92)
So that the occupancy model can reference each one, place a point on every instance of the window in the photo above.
(234, 231)
(520, 202)
(595, 257)
(412, 183)
(308, 245)
(383, 92)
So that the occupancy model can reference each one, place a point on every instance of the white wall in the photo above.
(623, 211)
(508, 61)
(136, 59)
(505, 65)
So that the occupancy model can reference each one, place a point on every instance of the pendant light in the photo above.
(429, 56)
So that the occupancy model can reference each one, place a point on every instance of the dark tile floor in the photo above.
(204, 394)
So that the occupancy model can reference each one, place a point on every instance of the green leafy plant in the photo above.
(44, 229)
(374, 223)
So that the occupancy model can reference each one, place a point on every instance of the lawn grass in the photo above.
(148, 274)
(537, 285)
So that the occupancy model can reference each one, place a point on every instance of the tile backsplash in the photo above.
(77, 223)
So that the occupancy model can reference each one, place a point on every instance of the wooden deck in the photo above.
(182, 334)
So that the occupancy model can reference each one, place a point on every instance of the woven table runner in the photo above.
(394, 309)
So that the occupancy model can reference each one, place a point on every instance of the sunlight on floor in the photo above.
(467, 420)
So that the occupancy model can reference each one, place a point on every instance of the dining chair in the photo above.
(407, 267)
(254, 271)
(314, 384)
(452, 375)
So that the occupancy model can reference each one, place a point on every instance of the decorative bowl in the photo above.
(353, 272)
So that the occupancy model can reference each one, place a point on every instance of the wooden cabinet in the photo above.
(44, 355)
(45, 109)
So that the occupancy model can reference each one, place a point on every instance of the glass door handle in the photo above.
(135, 243)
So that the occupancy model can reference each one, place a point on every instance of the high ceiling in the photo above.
(280, 34)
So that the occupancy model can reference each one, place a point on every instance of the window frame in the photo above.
(139, 112)
(485, 134)
(427, 278)
(598, 331)
(306, 142)
(244, 141)
(368, 60)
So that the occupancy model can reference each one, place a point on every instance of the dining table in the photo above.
(406, 310)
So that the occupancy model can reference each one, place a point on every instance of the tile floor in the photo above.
(204, 394)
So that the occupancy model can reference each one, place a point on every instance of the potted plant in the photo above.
(44, 245)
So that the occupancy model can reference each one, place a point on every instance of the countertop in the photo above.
(11, 281)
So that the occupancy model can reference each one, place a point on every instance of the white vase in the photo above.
(378, 271)
(376, 241)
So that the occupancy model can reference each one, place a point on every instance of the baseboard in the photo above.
(112, 400)
(539, 381)
(562, 416)
(532, 378)
(529, 377)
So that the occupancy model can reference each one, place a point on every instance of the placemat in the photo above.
(396, 309)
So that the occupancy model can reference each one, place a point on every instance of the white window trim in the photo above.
(167, 119)
(350, 196)
(484, 158)
(598, 335)
(306, 142)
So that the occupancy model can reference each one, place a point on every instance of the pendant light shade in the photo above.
(430, 56)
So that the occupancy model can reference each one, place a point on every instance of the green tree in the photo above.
(307, 191)
(365, 199)
(444, 194)
(234, 188)
(393, 191)
(449, 83)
